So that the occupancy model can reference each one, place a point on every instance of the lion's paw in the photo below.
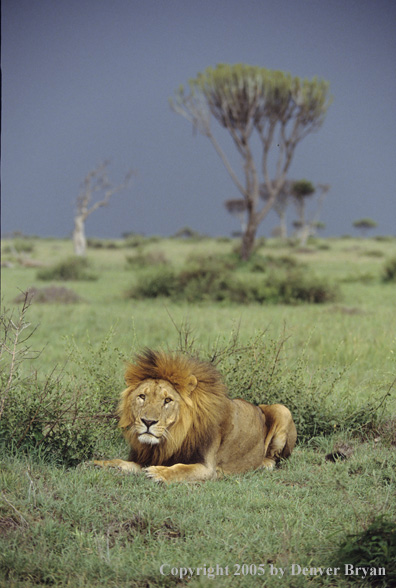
(118, 464)
(268, 463)
(157, 473)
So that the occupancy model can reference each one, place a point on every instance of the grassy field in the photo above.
(68, 525)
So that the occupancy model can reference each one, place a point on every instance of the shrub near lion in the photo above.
(181, 425)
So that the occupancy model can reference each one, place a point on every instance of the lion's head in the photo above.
(170, 406)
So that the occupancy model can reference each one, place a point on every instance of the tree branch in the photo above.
(97, 181)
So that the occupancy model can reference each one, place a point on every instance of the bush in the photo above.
(259, 374)
(73, 268)
(155, 282)
(261, 263)
(64, 423)
(213, 279)
(297, 285)
(373, 253)
(141, 259)
(321, 402)
(188, 233)
(220, 263)
(384, 238)
(19, 246)
(132, 240)
(51, 294)
(59, 417)
(375, 547)
(101, 244)
(390, 270)
(210, 280)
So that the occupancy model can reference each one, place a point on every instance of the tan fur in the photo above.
(181, 425)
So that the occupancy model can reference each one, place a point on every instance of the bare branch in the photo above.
(95, 182)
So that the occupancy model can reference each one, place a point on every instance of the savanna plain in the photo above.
(313, 328)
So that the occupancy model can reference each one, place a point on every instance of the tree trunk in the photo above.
(304, 234)
(282, 226)
(248, 239)
(79, 240)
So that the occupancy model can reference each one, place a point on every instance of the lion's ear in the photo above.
(192, 383)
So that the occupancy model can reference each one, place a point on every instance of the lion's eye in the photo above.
(167, 400)
(142, 396)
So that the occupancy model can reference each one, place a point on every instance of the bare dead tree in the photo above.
(95, 182)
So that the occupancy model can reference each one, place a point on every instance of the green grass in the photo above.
(86, 527)
(79, 526)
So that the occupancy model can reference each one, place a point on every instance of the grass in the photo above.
(83, 527)
(77, 526)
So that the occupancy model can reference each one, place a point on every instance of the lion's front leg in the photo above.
(126, 466)
(181, 472)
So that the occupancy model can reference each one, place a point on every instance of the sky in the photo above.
(90, 80)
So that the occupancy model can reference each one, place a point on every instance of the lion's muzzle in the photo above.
(148, 436)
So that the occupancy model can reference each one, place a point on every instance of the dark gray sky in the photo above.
(87, 80)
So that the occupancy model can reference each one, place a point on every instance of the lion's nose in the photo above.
(149, 423)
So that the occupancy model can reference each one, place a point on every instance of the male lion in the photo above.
(181, 425)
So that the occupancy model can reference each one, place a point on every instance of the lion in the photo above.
(181, 425)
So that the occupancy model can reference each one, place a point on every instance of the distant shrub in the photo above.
(217, 262)
(260, 242)
(73, 268)
(213, 279)
(299, 285)
(101, 244)
(19, 246)
(321, 246)
(261, 263)
(360, 277)
(373, 253)
(389, 274)
(384, 238)
(207, 281)
(134, 240)
(188, 233)
(52, 294)
(141, 259)
(155, 282)
(375, 547)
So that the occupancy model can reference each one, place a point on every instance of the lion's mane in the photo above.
(200, 411)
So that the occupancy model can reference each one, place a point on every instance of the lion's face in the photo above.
(154, 408)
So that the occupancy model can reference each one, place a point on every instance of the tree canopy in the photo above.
(365, 224)
(280, 108)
